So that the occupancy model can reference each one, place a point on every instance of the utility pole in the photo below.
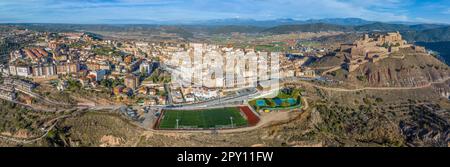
(231, 119)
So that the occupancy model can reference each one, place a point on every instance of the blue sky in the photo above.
(148, 11)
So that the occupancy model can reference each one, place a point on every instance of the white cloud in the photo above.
(385, 10)
(446, 11)
(92, 10)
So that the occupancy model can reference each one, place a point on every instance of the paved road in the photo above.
(101, 107)
(29, 106)
(150, 117)
(44, 98)
(239, 98)
(223, 101)
(294, 81)
(169, 94)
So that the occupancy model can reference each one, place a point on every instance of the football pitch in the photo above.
(206, 119)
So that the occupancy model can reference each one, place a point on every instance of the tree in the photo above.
(106, 83)
(378, 100)
(285, 104)
(270, 103)
(333, 73)
(73, 85)
(360, 78)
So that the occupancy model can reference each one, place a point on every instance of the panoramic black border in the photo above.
(281, 155)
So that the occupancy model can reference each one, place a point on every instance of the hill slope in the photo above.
(429, 35)
(317, 27)
(382, 27)
(415, 69)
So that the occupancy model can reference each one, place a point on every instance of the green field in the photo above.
(269, 48)
(207, 119)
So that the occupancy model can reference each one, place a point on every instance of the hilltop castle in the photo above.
(372, 48)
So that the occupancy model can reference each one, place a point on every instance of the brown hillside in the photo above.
(405, 68)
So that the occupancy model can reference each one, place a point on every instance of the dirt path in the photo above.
(265, 119)
(34, 139)
(331, 70)
(306, 104)
(369, 88)
(269, 118)
(30, 140)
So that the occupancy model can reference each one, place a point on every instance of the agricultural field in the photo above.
(205, 119)
(270, 48)
(309, 43)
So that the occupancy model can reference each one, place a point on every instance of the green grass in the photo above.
(289, 93)
(309, 43)
(270, 48)
(209, 118)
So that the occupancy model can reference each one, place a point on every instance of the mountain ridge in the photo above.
(412, 33)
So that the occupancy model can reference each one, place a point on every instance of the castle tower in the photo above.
(366, 37)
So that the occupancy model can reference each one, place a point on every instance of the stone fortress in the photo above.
(372, 48)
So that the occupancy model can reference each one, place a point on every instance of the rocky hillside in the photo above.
(405, 68)
(429, 35)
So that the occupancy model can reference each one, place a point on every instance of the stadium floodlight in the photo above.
(231, 119)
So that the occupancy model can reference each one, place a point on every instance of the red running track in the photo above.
(251, 117)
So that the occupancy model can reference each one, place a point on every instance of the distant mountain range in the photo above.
(375, 26)
(314, 27)
(411, 31)
(429, 35)
(277, 22)
(289, 21)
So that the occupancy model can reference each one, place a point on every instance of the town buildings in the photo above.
(98, 75)
(146, 67)
(44, 70)
(131, 81)
(8, 95)
(10, 86)
(227, 68)
(209, 71)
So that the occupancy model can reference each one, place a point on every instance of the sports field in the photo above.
(206, 119)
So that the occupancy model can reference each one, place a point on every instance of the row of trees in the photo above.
(111, 83)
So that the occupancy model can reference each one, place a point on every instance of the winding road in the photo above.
(265, 120)
(291, 81)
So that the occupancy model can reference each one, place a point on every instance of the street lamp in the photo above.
(231, 119)
(177, 124)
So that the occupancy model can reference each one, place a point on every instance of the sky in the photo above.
(179, 11)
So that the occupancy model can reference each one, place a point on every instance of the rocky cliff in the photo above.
(406, 68)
